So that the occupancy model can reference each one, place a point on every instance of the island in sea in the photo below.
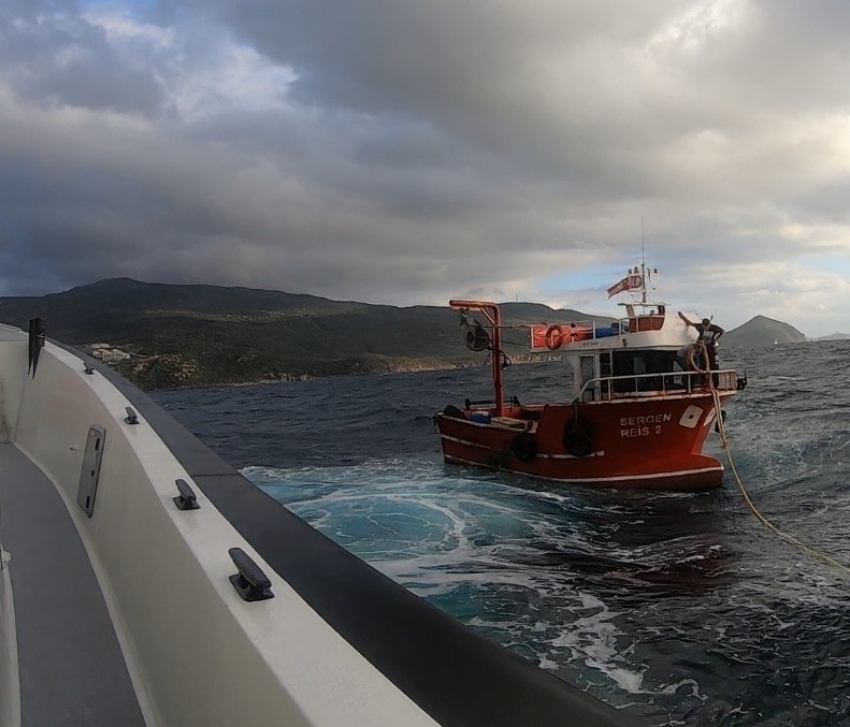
(171, 336)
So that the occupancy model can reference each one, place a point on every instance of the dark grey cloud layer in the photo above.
(406, 152)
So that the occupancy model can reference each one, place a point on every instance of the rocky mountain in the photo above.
(762, 331)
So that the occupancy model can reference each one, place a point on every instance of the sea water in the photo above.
(676, 609)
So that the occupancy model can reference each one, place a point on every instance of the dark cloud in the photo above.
(66, 61)
(407, 152)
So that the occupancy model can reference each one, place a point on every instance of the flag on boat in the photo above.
(633, 281)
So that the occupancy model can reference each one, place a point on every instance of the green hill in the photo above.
(201, 335)
(195, 335)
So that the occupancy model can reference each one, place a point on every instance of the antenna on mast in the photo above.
(642, 262)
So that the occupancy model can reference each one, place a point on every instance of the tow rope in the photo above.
(807, 549)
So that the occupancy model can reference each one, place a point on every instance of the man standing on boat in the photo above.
(693, 357)
(709, 333)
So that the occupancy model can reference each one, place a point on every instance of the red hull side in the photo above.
(654, 443)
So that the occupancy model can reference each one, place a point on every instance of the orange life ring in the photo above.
(554, 337)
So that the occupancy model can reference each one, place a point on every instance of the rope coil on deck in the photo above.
(807, 549)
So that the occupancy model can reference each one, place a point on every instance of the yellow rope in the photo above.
(814, 553)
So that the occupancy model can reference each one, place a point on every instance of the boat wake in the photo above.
(549, 574)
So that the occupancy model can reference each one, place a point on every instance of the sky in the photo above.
(407, 153)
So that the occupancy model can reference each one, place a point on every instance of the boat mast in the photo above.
(642, 263)
(496, 362)
(493, 315)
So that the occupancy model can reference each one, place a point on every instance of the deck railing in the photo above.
(680, 382)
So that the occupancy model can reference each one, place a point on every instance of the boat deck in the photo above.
(72, 670)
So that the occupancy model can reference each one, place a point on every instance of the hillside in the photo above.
(201, 335)
(833, 337)
(194, 335)
(762, 331)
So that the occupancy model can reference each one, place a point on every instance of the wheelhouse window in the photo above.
(644, 369)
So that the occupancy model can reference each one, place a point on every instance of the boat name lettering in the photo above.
(640, 421)
(638, 432)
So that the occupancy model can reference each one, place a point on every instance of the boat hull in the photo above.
(651, 444)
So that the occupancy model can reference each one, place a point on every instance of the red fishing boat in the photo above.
(634, 417)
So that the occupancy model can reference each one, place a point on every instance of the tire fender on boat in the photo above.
(453, 412)
(554, 337)
(578, 440)
(524, 446)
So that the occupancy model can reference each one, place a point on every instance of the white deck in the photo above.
(72, 670)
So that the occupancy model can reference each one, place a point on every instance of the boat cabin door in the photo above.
(588, 372)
